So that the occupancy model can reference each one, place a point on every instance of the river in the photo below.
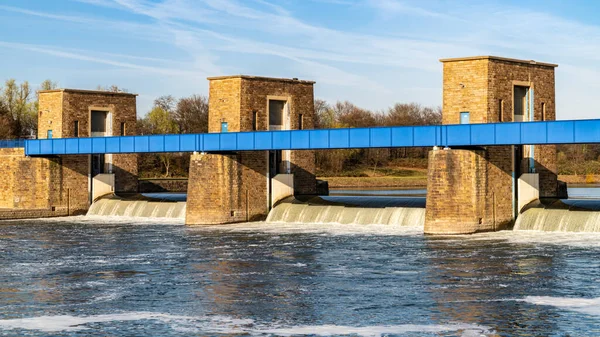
(101, 276)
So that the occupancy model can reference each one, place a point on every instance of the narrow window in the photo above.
(49, 134)
(300, 122)
(122, 128)
(254, 120)
(500, 110)
(465, 118)
(543, 111)
(76, 129)
(224, 127)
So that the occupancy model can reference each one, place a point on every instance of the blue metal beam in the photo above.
(525, 133)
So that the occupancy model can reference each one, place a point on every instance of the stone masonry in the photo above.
(59, 109)
(470, 190)
(234, 187)
(42, 185)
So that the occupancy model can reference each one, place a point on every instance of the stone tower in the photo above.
(72, 113)
(477, 189)
(242, 186)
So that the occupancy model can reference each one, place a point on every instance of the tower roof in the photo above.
(498, 58)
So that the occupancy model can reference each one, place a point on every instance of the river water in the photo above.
(102, 276)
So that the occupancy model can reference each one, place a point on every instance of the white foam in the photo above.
(375, 331)
(74, 323)
(590, 306)
(313, 228)
(228, 325)
(531, 237)
(101, 219)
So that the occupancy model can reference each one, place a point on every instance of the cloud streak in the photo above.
(367, 55)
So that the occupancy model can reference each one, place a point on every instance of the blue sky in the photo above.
(373, 53)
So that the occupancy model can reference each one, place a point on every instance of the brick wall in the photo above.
(465, 88)
(477, 85)
(59, 109)
(224, 104)
(468, 191)
(226, 188)
(43, 183)
(50, 114)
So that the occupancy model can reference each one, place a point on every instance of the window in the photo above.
(254, 120)
(520, 103)
(465, 117)
(122, 128)
(300, 122)
(49, 136)
(500, 110)
(76, 129)
(276, 113)
(224, 127)
(543, 111)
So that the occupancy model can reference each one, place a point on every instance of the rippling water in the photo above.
(99, 277)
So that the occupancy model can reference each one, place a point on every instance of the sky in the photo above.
(374, 53)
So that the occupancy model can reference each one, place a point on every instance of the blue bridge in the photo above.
(523, 133)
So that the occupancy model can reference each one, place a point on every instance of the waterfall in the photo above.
(561, 216)
(351, 210)
(113, 206)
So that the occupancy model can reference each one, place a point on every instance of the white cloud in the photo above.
(375, 59)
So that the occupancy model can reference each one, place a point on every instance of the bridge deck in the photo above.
(525, 133)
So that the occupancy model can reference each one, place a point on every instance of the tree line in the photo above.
(19, 108)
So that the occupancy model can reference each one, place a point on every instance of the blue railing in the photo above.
(12, 143)
(525, 133)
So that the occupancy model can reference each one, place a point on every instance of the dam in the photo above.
(257, 247)
(492, 160)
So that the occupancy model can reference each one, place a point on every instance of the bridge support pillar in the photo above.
(227, 188)
(469, 191)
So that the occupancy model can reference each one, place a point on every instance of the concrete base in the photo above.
(103, 184)
(282, 186)
(529, 189)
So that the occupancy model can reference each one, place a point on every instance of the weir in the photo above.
(391, 211)
(493, 154)
(561, 216)
(140, 208)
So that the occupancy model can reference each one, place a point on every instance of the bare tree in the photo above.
(191, 114)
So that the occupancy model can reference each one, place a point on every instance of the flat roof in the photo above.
(261, 78)
(82, 91)
(498, 58)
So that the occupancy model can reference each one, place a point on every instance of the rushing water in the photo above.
(103, 276)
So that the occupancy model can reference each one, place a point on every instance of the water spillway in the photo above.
(138, 206)
(561, 216)
(351, 210)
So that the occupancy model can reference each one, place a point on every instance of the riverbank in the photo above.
(399, 182)
(421, 181)
(580, 179)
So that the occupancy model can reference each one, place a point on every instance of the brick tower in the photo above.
(242, 186)
(477, 189)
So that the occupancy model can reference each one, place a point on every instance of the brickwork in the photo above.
(476, 85)
(59, 109)
(236, 100)
(227, 188)
(456, 186)
(233, 187)
(470, 190)
(43, 183)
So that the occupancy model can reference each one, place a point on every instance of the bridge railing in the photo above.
(12, 143)
(525, 133)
